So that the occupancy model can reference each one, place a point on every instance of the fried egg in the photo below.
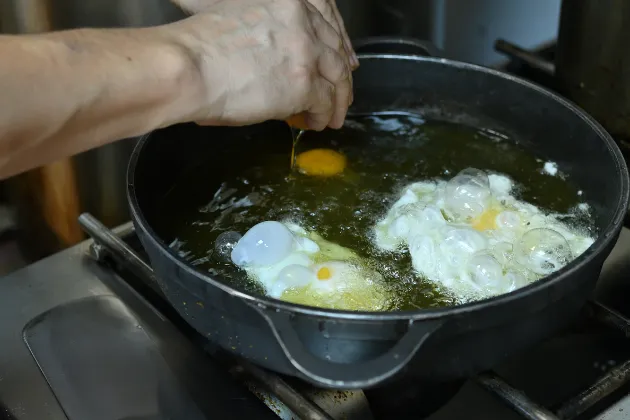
(473, 237)
(300, 267)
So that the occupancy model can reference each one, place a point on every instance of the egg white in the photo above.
(473, 237)
(286, 260)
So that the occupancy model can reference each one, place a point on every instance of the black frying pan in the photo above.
(337, 349)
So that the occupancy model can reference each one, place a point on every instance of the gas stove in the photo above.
(86, 334)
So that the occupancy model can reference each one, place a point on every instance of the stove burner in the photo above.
(288, 399)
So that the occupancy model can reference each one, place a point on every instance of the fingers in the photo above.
(334, 67)
(334, 70)
(321, 111)
(330, 93)
(329, 36)
(324, 8)
(326, 26)
(354, 61)
(329, 11)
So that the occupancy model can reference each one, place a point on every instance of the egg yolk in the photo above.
(324, 273)
(486, 221)
(321, 162)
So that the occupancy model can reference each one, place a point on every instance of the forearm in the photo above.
(67, 92)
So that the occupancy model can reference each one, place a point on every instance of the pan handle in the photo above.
(398, 45)
(358, 375)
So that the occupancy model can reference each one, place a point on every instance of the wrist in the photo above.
(179, 68)
(190, 37)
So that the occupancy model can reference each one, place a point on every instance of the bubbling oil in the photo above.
(384, 153)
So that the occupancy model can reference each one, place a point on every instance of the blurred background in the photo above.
(38, 210)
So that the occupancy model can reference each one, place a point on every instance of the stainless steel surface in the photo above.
(618, 411)
(593, 63)
(68, 276)
(116, 378)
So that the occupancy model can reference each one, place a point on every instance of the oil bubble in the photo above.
(467, 194)
(543, 251)
(486, 271)
(460, 242)
(503, 252)
(515, 279)
(224, 244)
(508, 220)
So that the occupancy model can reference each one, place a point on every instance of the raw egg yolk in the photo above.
(321, 162)
(324, 273)
(486, 221)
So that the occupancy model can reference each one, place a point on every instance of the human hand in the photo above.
(328, 9)
(266, 59)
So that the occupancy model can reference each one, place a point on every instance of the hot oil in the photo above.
(383, 154)
(298, 126)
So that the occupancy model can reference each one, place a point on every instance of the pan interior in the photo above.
(385, 151)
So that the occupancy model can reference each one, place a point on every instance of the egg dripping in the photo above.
(298, 125)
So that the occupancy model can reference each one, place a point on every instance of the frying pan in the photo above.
(346, 350)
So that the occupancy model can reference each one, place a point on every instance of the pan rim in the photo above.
(608, 234)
